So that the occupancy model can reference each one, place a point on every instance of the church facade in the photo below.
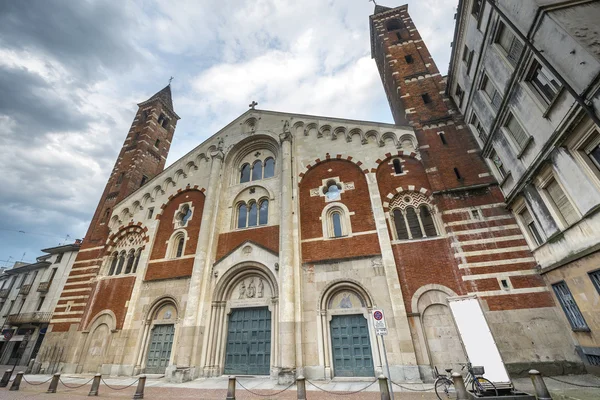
(265, 249)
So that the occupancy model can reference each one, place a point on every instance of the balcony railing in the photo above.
(4, 293)
(43, 286)
(40, 317)
(25, 289)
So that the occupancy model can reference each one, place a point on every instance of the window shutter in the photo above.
(528, 220)
(401, 232)
(413, 223)
(514, 51)
(518, 134)
(427, 220)
(561, 201)
(496, 100)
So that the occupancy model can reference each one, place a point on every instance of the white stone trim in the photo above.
(511, 291)
(496, 263)
(468, 209)
(490, 251)
(482, 230)
(470, 221)
(499, 274)
(488, 240)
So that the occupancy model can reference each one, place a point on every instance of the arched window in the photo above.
(137, 260)
(400, 225)
(180, 245)
(336, 223)
(427, 221)
(332, 192)
(269, 168)
(253, 214)
(130, 261)
(245, 173)
(242, 215)
(393, 25)
(257, 170)
(113, 264)
(397, 166)
(106, 215)
(121, 263)
(413, 223)
(263, 212)
(184, 215)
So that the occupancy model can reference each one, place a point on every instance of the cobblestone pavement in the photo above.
(215, 389)
(28, 391)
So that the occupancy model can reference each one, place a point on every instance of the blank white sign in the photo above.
(476, 337)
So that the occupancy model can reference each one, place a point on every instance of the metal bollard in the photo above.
(6, 378)
(541, 391)
(231, 389)
(384, 388)
(53, 383)
(301, 387)
(17, 382)
(459, 386)
(95, 385)
(139, 392)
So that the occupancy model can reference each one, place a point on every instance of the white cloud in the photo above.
(77, 89)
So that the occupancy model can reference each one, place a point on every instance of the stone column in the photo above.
(287, 337)
(189, 328)
(401, 353)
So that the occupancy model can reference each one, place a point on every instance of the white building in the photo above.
(526, 77)
(28, 295)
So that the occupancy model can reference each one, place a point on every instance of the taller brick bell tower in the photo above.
(142, 157)
(483, 252)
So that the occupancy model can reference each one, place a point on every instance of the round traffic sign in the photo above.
(378, 315)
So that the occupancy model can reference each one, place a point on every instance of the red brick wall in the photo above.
(267, 236)
(355, 246)
(178, 268)
(110, 294)
(415, 175)
(424, 262)
(166, 226)
(357, 201)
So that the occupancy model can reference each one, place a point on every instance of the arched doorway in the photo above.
(242, 334)
(439, 340)
(345, 322)
(159, 335)
(97, 342)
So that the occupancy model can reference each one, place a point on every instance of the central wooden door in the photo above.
(248, 349)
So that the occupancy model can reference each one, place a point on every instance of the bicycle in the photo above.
(444, 387)
(480, 386)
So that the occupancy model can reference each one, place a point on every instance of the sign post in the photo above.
(381, 330)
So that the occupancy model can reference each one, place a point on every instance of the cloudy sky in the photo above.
(72, 72)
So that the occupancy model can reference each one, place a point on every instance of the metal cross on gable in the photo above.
(374, 2)
(253, 104)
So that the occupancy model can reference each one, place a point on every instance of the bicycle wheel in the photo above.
(483, 387)
(444, 389)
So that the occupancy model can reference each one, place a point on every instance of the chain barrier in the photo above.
(125, 387)
(265, 395)
(343, 394)
(36, 384)
(571, 383)
(411, 389)
(76, 386)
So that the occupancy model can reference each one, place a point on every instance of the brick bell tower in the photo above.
(482, 251)
(141, 158)
(415, 92)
